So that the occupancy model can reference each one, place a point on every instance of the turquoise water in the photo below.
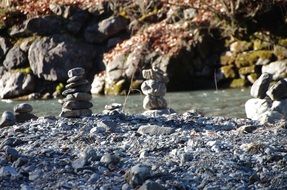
(218, 103)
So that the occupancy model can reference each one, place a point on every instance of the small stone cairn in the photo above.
(23, 113)
(269, 104)
(77, 95)
(154, 88)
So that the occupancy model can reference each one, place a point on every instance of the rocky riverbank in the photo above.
(114, 150)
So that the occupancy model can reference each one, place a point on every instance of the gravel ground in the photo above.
(120, 151)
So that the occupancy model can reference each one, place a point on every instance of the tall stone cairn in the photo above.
(154, 88)
(77, 95)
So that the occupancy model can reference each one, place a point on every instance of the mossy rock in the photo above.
(116, 88)
(227, 59)
(228, 71)
(282, 42)
(240, 46)
(247, 70)
(261, 45)
(250, 58)
(238, 83)
(280, 52)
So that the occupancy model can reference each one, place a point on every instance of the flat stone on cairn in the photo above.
(23, 113)
(155, 89)
(77, 101)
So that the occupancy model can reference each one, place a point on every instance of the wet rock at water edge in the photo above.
(7, 119)
(23, 112)
(23, 108)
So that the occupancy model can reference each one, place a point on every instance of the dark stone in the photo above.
(46, 25)
(75, 113)
(78, 71)
(76, 84)
(75, 105)
(75, 79)
(260, 87)
(137, 175)
(278, 91)
(83, 88)
(14, 84)
(11, 154)
(52, 58)
(23, 117)
(23, 108)
(80, 96)
(7, 119)
(151, 185)
(77, 19)
(109, 159)
(15, 58)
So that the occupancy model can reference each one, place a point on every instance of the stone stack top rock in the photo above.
(261, 85)
(76, 72)
(278, 91)
(23, 112)
(155, 74)
(23, 108)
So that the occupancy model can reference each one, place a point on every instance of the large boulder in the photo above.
(15, 58)
(98, 32)
(260, 86)
(255, 108)
(278, 69)
(14, 84)
(51, 58)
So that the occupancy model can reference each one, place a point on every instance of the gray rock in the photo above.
(134, 60)
(15, 58)
(75, 79)
(109, 159)
(155, 74)
(114, 106)
(270, 117)
(76, 84)
(153, 88)
(23, 108)
(98, 32)
(155, 130)
(78, 71)
(91, 154)
(33, 175)
(80, 96)
(151, 185)
(261, 85)
(23, 117)
(189, 13)
(7, 119)
(75, 113)
(154, 102)
(5, 45)
(98, 84)
(83, 88)
(278, 91)
(51, 58)
(277, 69)
(25, 187)
(137, 175)
(94, 178)
(256, 107)
(157, 113)
(79, 163)
(280, 106)
(6, 171)
(13, 84)
(76, 105)
(11, 154)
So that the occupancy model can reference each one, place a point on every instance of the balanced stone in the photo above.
(155, 74)
(77, 83)
(83, 88)
(154, 88)
(154, 102)
(7, 119)
(78, 71)
(75, 113)
(260, 86)
(80, 96)
(23, 108)
(75, 105)
(278, 91)
(75, 79)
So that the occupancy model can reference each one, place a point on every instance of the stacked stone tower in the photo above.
(77, 95)
(154, 88)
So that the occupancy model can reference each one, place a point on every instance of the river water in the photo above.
(228, 102)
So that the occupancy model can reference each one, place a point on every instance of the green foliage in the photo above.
(60, 88)
(26, 70)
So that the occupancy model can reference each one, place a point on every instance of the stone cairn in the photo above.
(269, 102)
(154, 88)
(77, 95)
(23, 113)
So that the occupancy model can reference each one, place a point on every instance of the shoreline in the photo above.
(180, 151)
